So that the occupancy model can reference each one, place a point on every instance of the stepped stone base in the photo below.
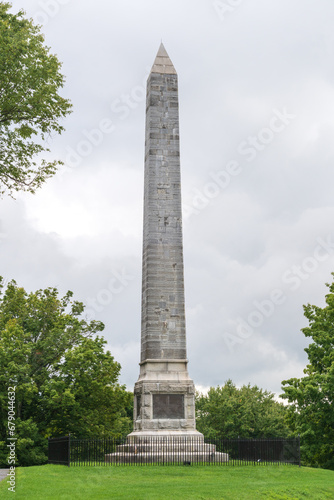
(167, 448)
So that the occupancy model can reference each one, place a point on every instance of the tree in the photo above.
(64, 379)
(249, 412)
(311, 398)
(30, 105)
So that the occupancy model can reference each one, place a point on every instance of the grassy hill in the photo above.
(171, 482)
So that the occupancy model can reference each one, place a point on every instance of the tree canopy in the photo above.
(311, 398)
(249, 412)
(31, 108)
(65, 380)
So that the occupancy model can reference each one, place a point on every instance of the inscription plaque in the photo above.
(168, 406)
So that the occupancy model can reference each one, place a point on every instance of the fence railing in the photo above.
(59, 450)
(168, 451)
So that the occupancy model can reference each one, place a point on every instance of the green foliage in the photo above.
(30, 105)
(228, 412)
(311, 398)
(65, 380)
(31, 446)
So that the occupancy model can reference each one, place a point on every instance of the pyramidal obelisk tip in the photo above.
(162, 63)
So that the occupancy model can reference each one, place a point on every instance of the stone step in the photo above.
(164, 447)
(170, 457)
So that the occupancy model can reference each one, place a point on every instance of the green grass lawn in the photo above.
(171, 482)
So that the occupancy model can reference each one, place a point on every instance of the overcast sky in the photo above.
(256, 126)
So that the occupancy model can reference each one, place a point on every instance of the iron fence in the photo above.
(59, 450)
(172, 451)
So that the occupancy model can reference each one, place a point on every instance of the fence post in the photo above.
(69, 449)
(299, 450)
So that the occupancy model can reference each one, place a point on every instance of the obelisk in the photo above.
(164, 393)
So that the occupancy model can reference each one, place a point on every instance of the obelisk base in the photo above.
(174, 449)
(164, 419)
(164, 400)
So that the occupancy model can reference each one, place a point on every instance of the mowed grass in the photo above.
(171, 482)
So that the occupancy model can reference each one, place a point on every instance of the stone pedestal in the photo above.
(166, 449)
(164, 420)
(164, 400)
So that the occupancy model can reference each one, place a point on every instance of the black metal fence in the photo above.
(173, 451)
(59, 450)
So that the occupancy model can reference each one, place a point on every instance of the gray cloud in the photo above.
(248, 237)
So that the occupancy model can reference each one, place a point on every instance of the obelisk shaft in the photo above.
(164, 393)
(163, 313)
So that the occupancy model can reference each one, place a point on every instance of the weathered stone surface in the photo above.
(163, 317)
(164, 392)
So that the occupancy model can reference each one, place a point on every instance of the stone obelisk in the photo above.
(164, 406)
(164, 393)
